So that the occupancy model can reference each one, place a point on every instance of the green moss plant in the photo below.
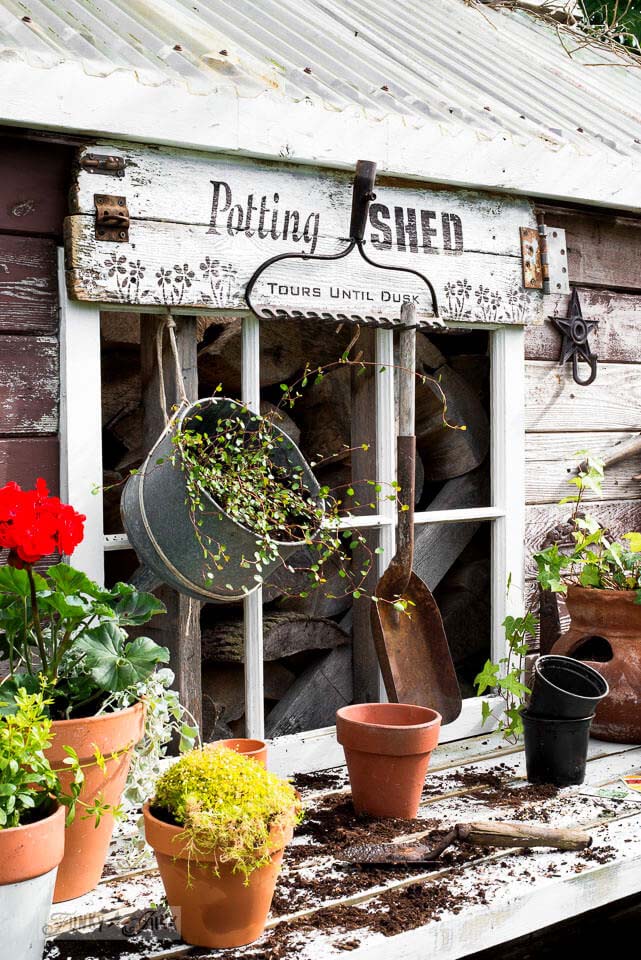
(228, 804)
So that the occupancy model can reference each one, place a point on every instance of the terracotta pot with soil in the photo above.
(29, 858)
(219, 824)
(606, 634)
(387, 749)
(86, 845)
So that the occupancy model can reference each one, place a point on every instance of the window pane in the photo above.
(453, 464)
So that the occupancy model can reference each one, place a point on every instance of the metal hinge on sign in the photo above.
(545, 258)
(101, 163)
(112, 218)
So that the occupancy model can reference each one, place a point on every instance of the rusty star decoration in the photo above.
(575, 346)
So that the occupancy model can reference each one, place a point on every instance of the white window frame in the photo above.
(81, 472)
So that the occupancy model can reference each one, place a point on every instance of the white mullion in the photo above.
(253, 604)
(508, 478)
(81, 422)
(463, 515)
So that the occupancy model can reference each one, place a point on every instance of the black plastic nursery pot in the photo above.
(565, 689)
(556, 751)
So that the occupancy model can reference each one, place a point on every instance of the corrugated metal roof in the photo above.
(442, 62)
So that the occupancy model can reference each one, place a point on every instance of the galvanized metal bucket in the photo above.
(159, 521)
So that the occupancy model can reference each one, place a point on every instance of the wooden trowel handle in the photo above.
(523, 835)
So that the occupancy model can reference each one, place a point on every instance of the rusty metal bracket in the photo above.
(531, 257)
(112, 218)
(102, 163)
(545, 258)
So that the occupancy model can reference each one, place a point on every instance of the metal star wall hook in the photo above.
(575, 344)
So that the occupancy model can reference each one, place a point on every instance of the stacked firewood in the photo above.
(308, 655)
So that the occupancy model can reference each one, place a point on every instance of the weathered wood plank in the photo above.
(315, 696)
(551, 461)
(24, 460)
(615, 340)
(212, 186)
(200, 249)
(619, 516)
(603, 251)
(185, 266)
(555, 403)
(29, 385)
(33, 185)
(28, 285)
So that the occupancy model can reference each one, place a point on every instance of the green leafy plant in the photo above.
(227, 804)
(64, 628)
(587, 556)
(506, 676)
(27, 782)
(582, 554)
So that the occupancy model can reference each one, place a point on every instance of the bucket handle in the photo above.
(170, 326)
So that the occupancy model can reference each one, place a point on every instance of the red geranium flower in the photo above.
(33, 524)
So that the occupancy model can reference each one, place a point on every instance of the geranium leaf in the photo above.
(134, 608)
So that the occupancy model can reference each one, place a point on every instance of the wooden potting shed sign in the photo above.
(188, 230)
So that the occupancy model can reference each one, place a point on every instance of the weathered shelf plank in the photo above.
(28, 385)
(551, 461)
(555, 403)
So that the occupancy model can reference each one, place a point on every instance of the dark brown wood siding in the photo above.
(33, 201)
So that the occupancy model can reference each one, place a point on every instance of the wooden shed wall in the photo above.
(561, 416)
(33, 188)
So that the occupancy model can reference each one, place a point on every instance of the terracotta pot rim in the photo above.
(50, 848)
(260, 745)
(626, 595)
(279, 837)
(97, 717)
(343, 715)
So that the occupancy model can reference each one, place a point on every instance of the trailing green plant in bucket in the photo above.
(242, 468)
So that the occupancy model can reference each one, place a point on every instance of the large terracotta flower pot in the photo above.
(387, 749)
(209, 910)
(86, 844)
(29, 858)
(606, 633)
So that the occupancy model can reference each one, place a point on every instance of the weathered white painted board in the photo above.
(200, 226)
(616, 339)
(555, 403)
(551, 461)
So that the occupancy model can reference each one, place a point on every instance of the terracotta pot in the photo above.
(29, 858)
(86, 844)
(606, 634)
(387, 749)
(257, 749)
(209, 910)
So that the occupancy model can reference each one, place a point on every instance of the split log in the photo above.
(446, 452)
(437, 546)
(313, 699)
(224, 693)
(285, 347)
(285, 634)
(463, 598)
(324, 413)
(326, 600)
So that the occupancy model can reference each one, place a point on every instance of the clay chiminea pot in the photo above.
(606, 634)
(387, 749)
